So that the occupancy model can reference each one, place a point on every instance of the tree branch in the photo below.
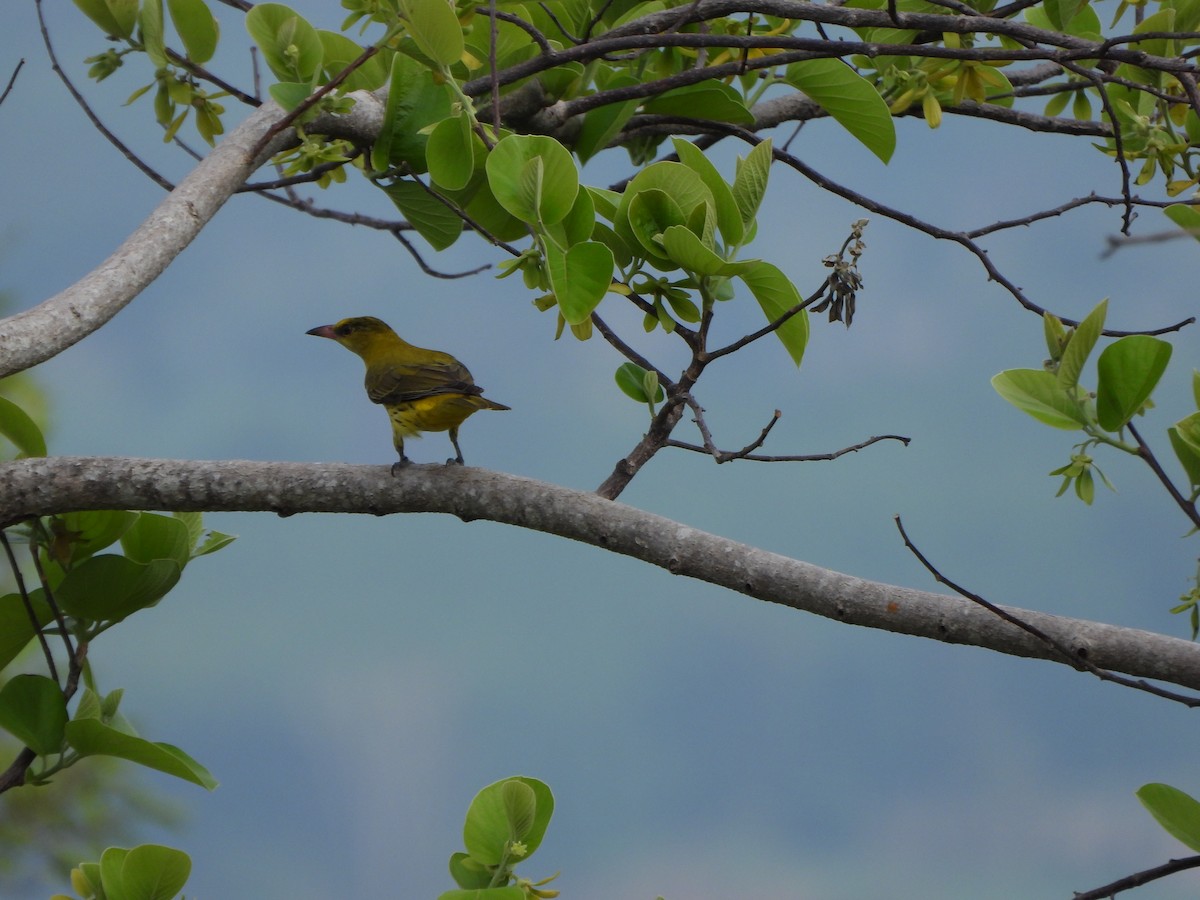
(35, 487)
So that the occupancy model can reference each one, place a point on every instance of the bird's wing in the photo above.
(405, 382)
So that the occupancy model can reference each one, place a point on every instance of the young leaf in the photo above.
(580, 278)
(508, 171)
(497, 809)
(98, 11)
(414, 101)
(776, 294)
(154, 872)
(290, 45)
(18, 427)
(338, 51)
(1176, 812)
(850, 99)
(435, 28)
(434, 221)
(687, 250)
(1080, 346)
(1129, 370)
(1038, 393)
(1185, 440)
(750, 182)
(631, 379)
(450, 152)
(155, 536)
(91, 737)
(1186, 217)
(648, 215)
(196, 26)
(729, 219)
(33, 710)
(150, 23)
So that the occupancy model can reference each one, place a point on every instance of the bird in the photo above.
(422, 390)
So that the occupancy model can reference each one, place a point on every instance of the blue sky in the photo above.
(353, 681)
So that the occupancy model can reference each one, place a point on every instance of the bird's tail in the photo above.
(485, 403)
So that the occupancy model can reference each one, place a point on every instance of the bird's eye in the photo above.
(344, 330)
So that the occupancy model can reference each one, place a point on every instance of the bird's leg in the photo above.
(404, 460)
(458, 459)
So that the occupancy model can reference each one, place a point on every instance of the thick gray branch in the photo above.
(35, 487)
(30, 337)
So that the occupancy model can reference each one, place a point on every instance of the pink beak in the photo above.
(325, 331)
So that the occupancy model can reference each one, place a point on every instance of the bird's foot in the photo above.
(455, 461)
(402, 463)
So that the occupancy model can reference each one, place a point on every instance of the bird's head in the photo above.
(360, 334)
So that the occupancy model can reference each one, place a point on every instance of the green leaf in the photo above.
(497, 893)
(196, 26)
(1186, 217)
(776, 294)
(450, 152)
(34, 711)
(154, 536)
(150, 23)
(750, 182)
(579, 223)
(684, 248)
(511, 168)
(18, 427)
(290, 45)
(16, 630)
(434, 221)
(1196, 387)
(107, 19)
(631, 379)
(93, 530)
(110, 588)
(850, 99)
(216, 540)
(580, 278)
(649, 214)
(1083, 339)
(338, 51)
(1185, 440)
(1129, 370)
(91, 737)
(469, 873)
(1038, 393)
(435, 28)
(111, 861)
(1176, 812)
(708, 100)
(153, 872)
(504, 812)
(729, 218)
(414, 101)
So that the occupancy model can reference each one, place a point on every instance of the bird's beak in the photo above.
(325, 331)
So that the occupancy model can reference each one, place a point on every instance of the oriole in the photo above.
(422, 390)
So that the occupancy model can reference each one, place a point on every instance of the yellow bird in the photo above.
(422, 390)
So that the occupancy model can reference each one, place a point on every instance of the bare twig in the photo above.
(1137, 879)
(745, 453)
(12, 80)
(1076, 658)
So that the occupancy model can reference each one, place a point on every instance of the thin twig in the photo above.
(1144, 451)
(87, 110)
(1076, 658)
(1137, 879)
(12, 80)
(799, 457)
(28, 603)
